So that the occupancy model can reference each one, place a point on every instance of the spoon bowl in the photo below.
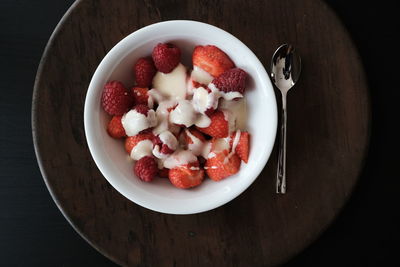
(285, 67)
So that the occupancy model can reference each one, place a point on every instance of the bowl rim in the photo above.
(105, 63)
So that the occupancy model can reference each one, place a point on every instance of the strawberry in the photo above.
(115, 128)
(211, 59)
(144, 71)
(222, 165)
(165, 149)
(194, 132)
(132, 141)
(163, 173)
(146, 169)
(140, 95)
(233, 80)
(186, 176)
(115, 99)
(166, 57)
(242, 148)
(219, 127)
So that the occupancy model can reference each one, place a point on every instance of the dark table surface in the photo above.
(33, 232)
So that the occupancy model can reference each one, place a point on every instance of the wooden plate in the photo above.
(328, 132)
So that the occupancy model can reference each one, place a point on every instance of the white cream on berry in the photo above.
(198, 147)
(168, 139)
(154, 96)
(235, 142)
(172, 84)
(142, 149)
(163, 114)
(179, 158)
(135, 122)
(203, 100)
(183, 114)
(228, 96)
(203, 121)
(201, 76)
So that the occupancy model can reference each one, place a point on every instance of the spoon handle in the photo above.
(281, 171)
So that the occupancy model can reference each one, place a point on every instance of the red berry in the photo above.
(211, 59)
(115, 128)
(186, 176)
(222, 165)
(144, 70)
(165, 149)
(142, 109)
(218, 128)
(166, 57)
(242, 148)
(146, 168)
(195, 133)
(132, 141)
(115, 99)
(140, 95)
(233, 80)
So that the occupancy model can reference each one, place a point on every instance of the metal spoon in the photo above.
(285, 72)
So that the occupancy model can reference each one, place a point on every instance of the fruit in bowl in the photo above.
(116, 164)
(181, 121)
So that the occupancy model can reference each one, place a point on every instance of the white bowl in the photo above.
(109, 154)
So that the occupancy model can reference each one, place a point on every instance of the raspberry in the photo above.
(166, 57)
(115, 99)
(233, 80)
(140, 95)
(142, 109)
(146, 168)
(144, 70)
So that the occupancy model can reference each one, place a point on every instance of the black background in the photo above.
(33, 232)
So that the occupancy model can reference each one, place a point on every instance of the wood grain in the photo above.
(329, 114)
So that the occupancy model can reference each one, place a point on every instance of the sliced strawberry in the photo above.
(242, 148)
(233, 80)
(196, 133)
(211, 59)
(166, 57)
(115, 99)
(219, 127)
(146, 168)
(132, 141)
(163, 148)
(222, 165)
(144, 71)
(115, 128)
(186, 176)
(140, 95)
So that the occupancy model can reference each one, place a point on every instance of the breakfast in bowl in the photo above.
(186, 113)
(183, 124)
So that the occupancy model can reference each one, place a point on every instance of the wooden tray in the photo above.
(328, 132)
